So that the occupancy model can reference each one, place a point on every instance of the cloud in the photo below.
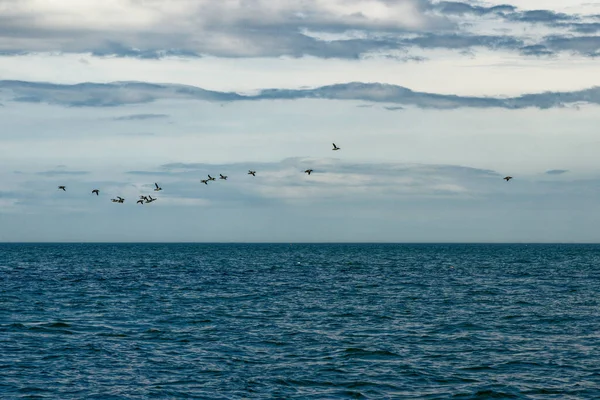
(557, 171)
(540, 16)
(60, 172)
(153, 29)
(122, 93)
(585, 45)
(133, 117)
(229, 28)
(394, 108)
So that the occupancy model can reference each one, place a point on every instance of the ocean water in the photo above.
(301, 321)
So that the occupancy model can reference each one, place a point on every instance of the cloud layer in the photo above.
(123, 93)
(274, 28)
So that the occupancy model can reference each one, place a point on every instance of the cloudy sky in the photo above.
(432, 104)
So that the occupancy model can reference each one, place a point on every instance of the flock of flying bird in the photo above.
(150, 199)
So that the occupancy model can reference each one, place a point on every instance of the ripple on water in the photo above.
(248, 321)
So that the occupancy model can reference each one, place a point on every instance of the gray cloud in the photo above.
(133, 117)
(540, 16)
(122, 93)
(59, 172)
(585, 45)
(458, 8)
(587, 28)
(557, 171)
(536, 50)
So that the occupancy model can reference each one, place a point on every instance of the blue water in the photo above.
(233, 321)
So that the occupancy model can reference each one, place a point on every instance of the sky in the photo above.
(431, 102)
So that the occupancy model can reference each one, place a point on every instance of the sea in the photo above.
(299, 321)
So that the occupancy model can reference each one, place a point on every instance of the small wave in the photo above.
(358, 352)
(57, 325)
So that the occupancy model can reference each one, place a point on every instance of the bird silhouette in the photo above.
(224, 177)
(507, 178)
(96, 191)
(308, 171)
(157, 187)
(335, 147)
(64, 188)
(253, 173)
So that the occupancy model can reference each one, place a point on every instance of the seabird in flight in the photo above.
(224, 177)
(210, 178)
(64, 188)
(253, 173)
(308, 171)
(335, 147)
(205, 181)
(96, 191)
(507, 178)
(157, 188)
(150, 199)
(140, 201)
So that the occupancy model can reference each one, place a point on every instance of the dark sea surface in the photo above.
(302, 321)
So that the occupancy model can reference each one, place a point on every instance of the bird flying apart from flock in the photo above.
(335, 147)
(308, 171)
(157, 187)
(253, 173)
(507, 178)
(64, 188)
(96, 191)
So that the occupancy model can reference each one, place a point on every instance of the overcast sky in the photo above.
(432, 104)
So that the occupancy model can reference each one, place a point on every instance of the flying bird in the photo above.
(253, 173)
(64, 188)
(507, 178)
(140, 201)
(119, 199)
(335, 147)
(308, 171)
(224, 177)
(150, 199)
(157, 187)
(210, 178)
(205, 181)
(96, 191)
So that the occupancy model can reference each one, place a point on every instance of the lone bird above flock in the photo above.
(96, 191)
(335, 147)
(64, 188)
(157, 187)
(308, 171)
(253, 173)
(507, 178)
(224, 177)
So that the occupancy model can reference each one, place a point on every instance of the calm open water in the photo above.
(320, 321)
